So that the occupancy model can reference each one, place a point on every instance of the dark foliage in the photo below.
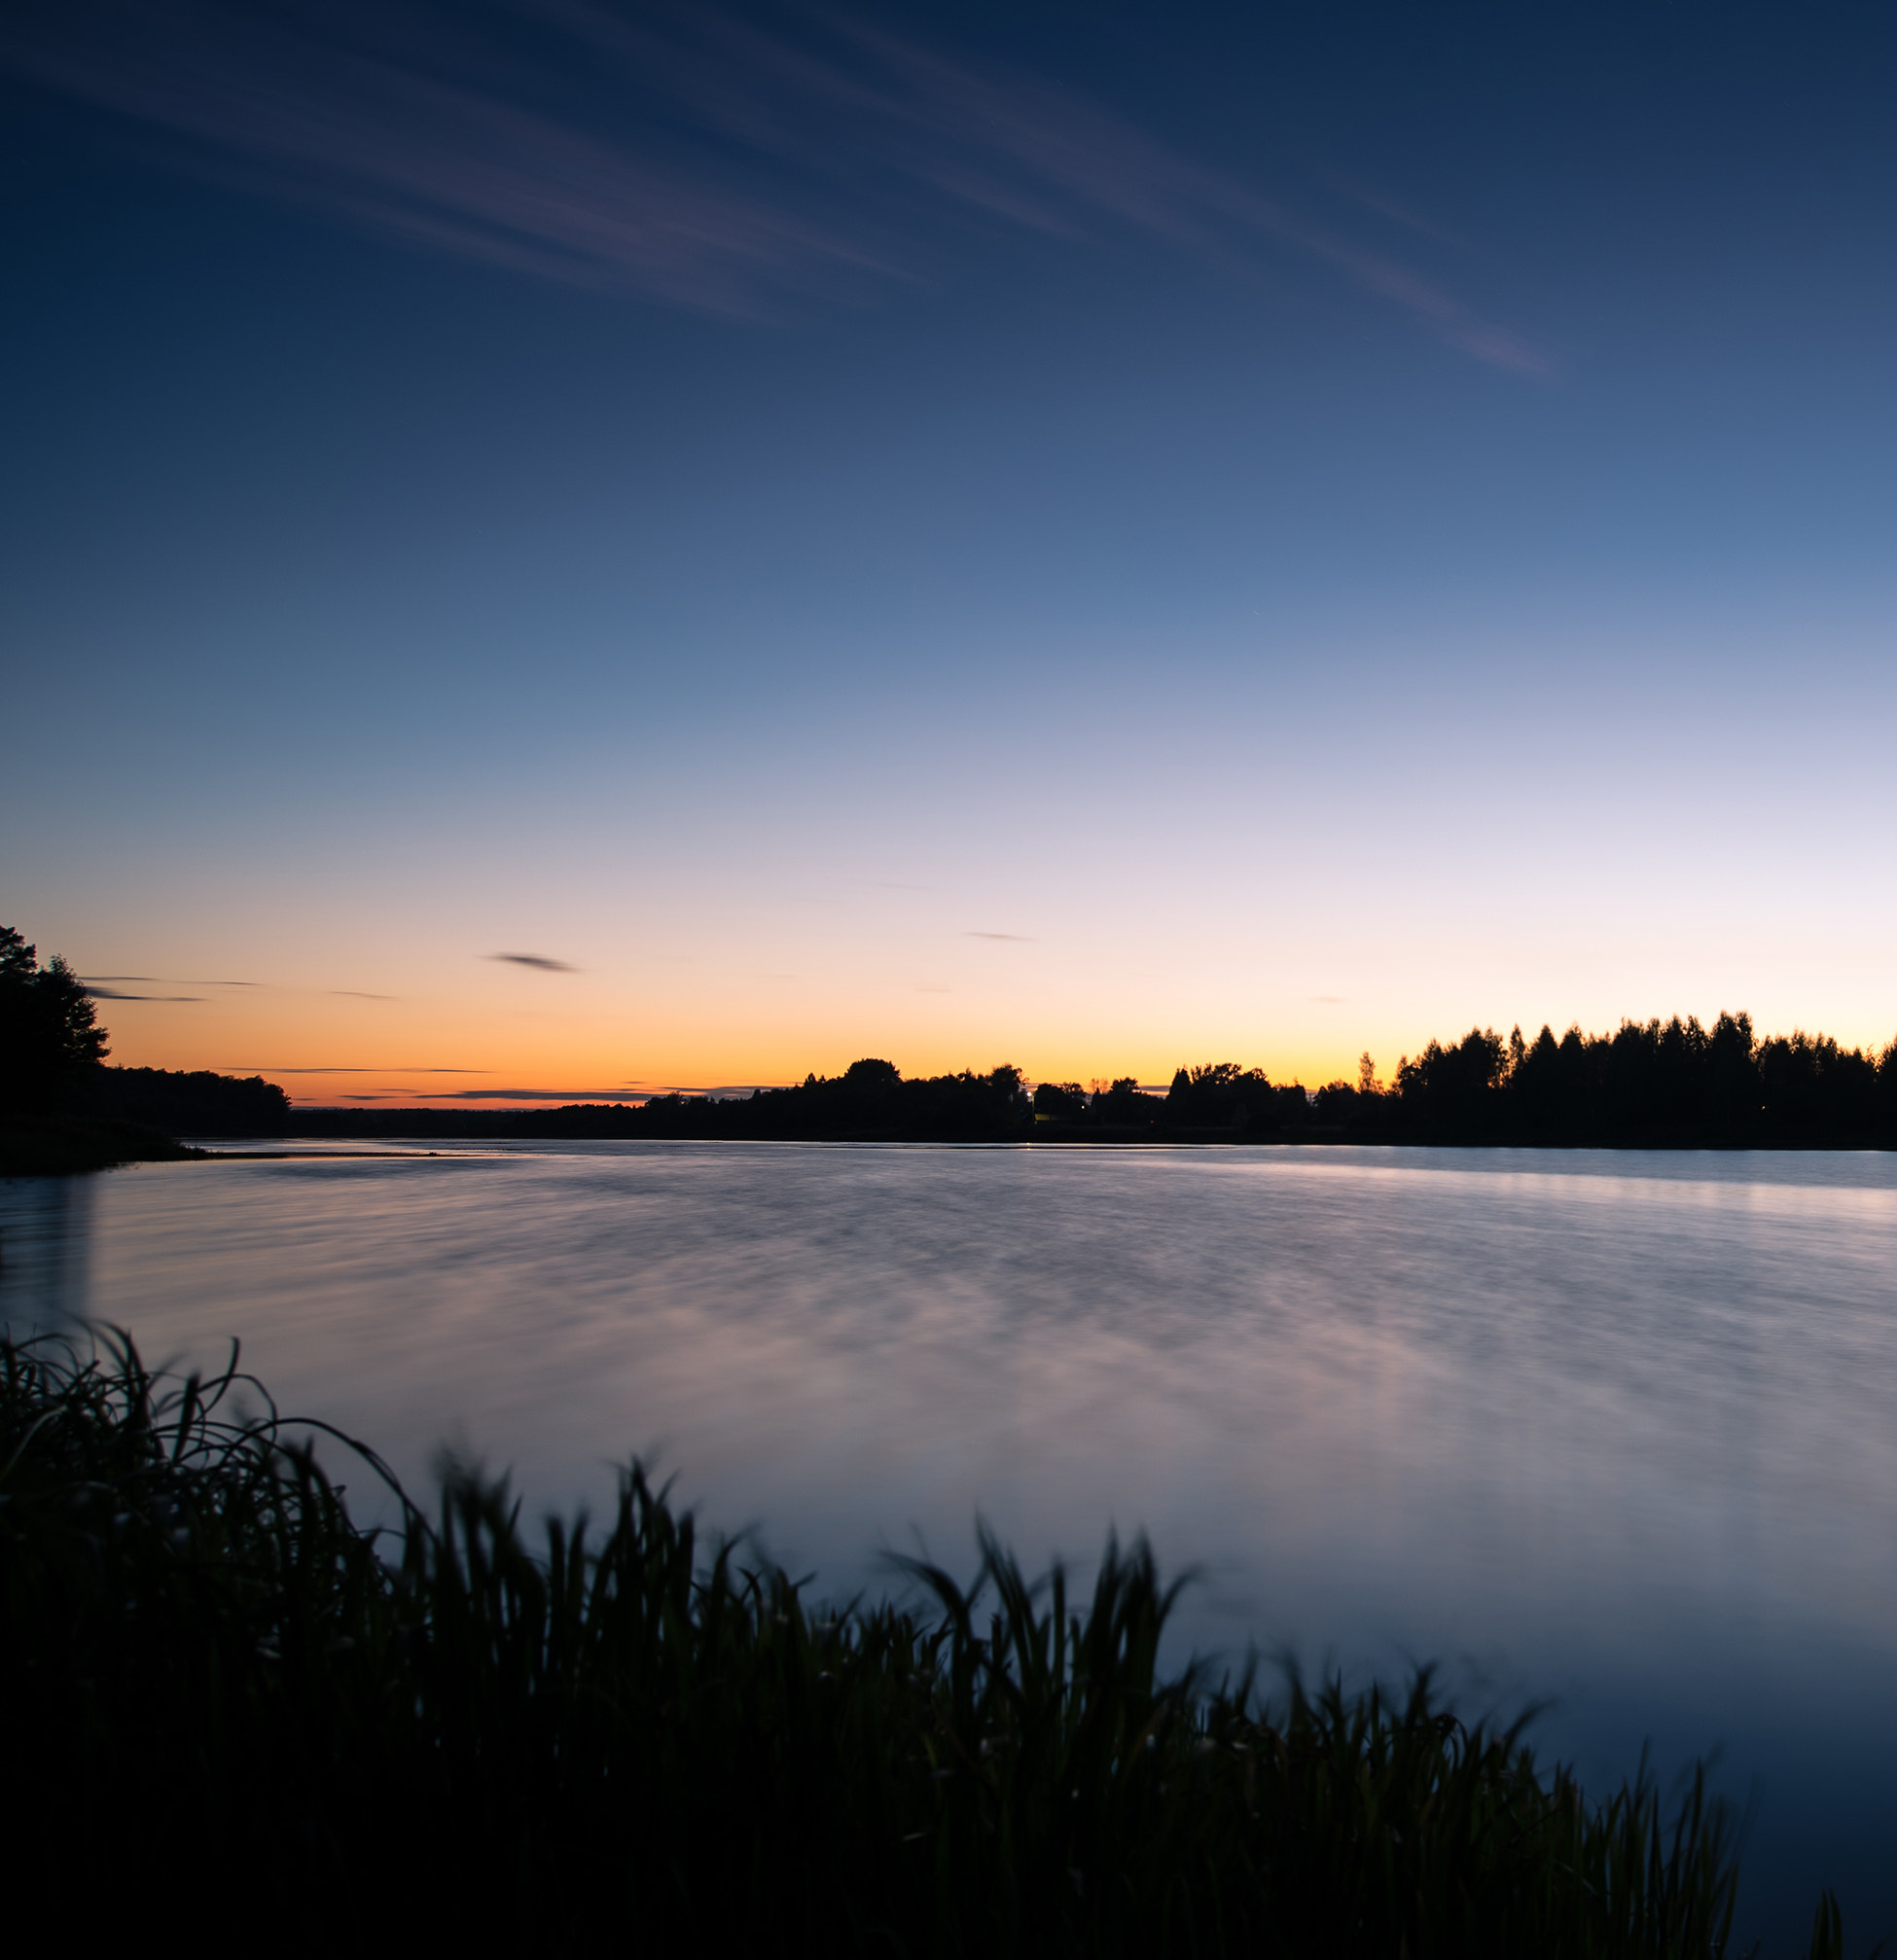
(1653, 1083)
(1125, 1102)
(197, 1103)
(437, 1740)
(48, 1032)
(1222, 1096)
(1661, 1085)
(63, 1110)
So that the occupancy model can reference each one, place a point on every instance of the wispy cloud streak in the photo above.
(155, 979)
(702, 161)
(538, 961)
(171, 999)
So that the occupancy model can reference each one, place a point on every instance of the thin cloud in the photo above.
(1015, 939)
(702, 161)
(1372, 198)
(535, 960)
(172, 999)
(352, 993)
(1108, 165)
(364, 116)
(155, 979)
(1327, 999)
(388, 1068)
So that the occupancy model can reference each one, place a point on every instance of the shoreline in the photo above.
(84, 1156)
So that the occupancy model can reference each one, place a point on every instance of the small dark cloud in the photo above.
(1017, 938)
(534, 960)
(352, 993)
(113, 993)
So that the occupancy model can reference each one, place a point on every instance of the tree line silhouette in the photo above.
(181, 1102)
(1658, 1084)
(1655, 1083)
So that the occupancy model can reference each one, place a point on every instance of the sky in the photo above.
(556, 549)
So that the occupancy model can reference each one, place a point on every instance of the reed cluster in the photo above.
(227, 1698)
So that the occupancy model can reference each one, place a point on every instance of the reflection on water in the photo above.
(45, 1237)
(1611, 1426)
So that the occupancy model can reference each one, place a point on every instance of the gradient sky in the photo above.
(1098, 536)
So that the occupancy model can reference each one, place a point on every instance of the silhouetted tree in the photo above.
(1662, 1084)
(1452, 1091)
(1810, 1088)
(869, 1099)
(1731, 1094)
(1222, 1096)
(48, 1029)
(1547, 1084)
(197, 1103)
(1124, 1102)
(1335, 1104)
(1062, 1101)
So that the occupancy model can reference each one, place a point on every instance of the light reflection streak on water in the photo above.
(1611, 1426)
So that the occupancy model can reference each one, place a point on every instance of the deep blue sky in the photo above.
(1319, 526)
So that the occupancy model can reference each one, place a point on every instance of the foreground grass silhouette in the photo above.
(219, 1686)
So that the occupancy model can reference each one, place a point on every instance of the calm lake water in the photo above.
(1614, 1430)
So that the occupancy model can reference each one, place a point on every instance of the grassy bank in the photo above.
(225, 1696)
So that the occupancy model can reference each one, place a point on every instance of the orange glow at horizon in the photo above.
(375, 998)
(325, 1057)
(333, 1049)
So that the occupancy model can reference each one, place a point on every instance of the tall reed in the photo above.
(226, 1696)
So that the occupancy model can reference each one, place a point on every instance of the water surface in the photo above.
(1617, 1429)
